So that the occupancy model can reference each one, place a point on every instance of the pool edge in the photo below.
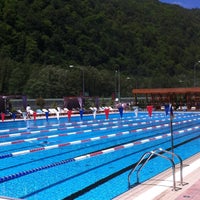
(160, 186)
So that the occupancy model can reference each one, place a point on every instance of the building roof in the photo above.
(166, 90)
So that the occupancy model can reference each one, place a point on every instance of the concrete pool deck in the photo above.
(161, 186)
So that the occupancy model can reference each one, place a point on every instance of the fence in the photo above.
(59, 102)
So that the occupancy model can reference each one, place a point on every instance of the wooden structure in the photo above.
(178, 97)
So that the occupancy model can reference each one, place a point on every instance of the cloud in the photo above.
(184, 3)
(178, 3)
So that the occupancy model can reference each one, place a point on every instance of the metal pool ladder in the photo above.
(157, 152)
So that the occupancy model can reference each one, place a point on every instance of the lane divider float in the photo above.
(84, 157)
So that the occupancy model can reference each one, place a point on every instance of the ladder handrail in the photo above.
(152, 153)
(181, 163)
(173, 168)
(141, 159)
(141, 167)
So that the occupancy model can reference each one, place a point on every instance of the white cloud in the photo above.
(184, 3)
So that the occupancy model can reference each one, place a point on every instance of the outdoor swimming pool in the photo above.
(88, 159)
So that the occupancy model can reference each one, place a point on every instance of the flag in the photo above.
(80, 101)
(107, 110)
(121, 111)
(136, 111)
(81, 113)
(150, 110)
(167, 109)
(69, 113)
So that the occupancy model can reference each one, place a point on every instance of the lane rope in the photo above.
(72, 133)
(73, 127)
(69, 128)
(81, 123)
(87, 156)
(19, 153)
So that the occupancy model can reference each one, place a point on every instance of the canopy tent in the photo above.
(5, 104)
(176, 96)
(80, 102)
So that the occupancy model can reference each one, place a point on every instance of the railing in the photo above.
(157, 152)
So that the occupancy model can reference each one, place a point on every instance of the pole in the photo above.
(119, 85)
(172, 135)
(83, 78)
(83, 83)
(195, 75)
(195, 70)
(116, 84)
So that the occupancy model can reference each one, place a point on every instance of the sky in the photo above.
(184, 3)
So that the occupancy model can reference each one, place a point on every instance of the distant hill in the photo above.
(155, 44)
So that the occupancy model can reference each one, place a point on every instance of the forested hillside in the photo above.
(150, 43)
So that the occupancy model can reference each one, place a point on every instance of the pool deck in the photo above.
(161, 186)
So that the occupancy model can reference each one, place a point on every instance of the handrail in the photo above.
(141, 159)
(173, 168)
(149, 156)
(181, 163)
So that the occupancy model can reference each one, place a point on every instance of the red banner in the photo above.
(69, 113)
(150, 110)
(34, 115)
(2, 116)
(107, 110)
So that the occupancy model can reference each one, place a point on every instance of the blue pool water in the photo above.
(88, 159)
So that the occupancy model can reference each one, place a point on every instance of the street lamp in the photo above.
(130, 85)
(117, 84)
(195, 69)
(181, 82)
(83, 78)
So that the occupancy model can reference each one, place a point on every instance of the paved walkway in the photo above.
(192, 193)
(161, 186)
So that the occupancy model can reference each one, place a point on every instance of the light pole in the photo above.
(83, 78)
(195, 69)
(130, 85)
(117, 84)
